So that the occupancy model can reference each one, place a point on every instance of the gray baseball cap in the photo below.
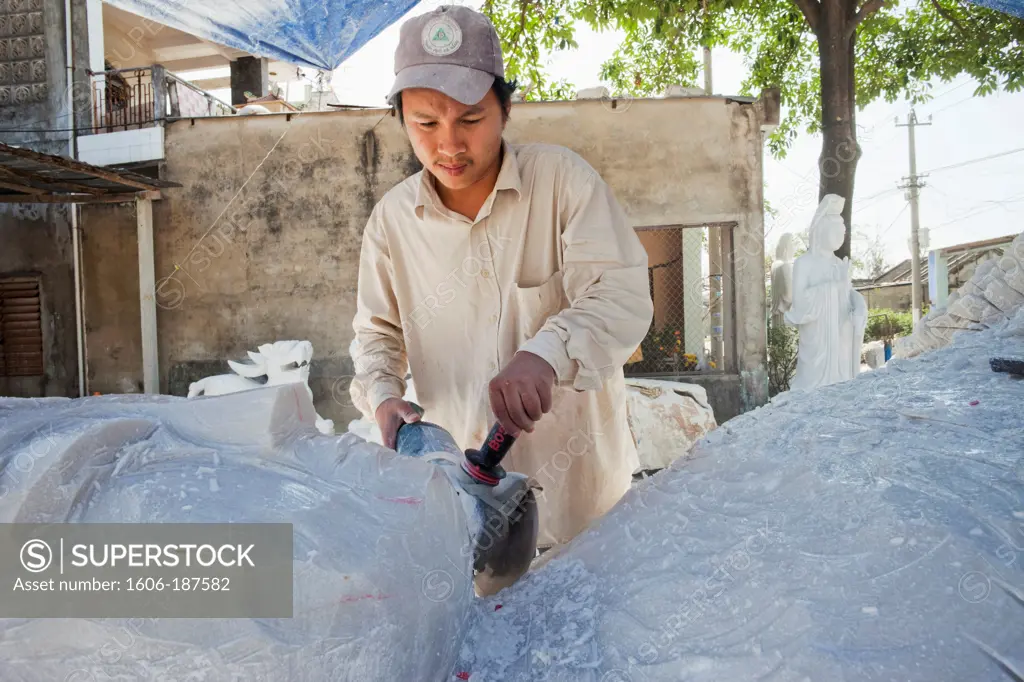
(453, 49)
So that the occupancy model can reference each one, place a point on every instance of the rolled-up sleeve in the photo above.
(379, 357)
(605, 278)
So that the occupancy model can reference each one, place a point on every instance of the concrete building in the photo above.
(262, 242)
(85, 80)
(38, 240)
(943, 272)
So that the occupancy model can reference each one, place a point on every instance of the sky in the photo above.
(977, 201)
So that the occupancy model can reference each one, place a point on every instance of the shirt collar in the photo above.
(508, 178)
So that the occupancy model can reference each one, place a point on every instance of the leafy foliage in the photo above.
(868, 256)
(782, 349)
(528, 30)
(663, 351)
(884, 324)
(901, 49)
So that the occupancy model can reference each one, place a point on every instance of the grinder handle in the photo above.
(495, 447)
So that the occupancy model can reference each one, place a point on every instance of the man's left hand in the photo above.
(521, 393)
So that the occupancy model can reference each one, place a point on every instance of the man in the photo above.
(505, 277)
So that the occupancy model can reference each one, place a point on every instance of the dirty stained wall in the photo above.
(262, 241)
(36, 239)
(110, 257)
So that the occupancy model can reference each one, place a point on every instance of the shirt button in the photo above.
(493, 318)
(485, 273)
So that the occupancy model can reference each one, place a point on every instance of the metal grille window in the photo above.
(21, 327)
(691, 294)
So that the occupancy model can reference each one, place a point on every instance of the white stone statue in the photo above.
(281, 362)
(782, 278)
(830, 315)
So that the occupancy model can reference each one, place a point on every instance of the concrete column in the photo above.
(693, 290)
(82, 48)
(94, 12)
(147, 295)
(250, 74)
(938, 278)
(159, 75)
(715, 295)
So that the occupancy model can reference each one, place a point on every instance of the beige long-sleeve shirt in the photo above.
(550, 266)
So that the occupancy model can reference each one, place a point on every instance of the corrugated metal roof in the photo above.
(28, 176)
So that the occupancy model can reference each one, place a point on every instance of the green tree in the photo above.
(828, 57)
(868, 257)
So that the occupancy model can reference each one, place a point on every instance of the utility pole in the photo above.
(714, 245)
(914, 184)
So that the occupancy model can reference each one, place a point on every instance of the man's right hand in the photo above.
(391, 414)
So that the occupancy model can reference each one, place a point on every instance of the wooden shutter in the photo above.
(21, 327)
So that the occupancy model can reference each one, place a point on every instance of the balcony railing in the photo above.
(187, 100)
(146, 96)
(123, 99)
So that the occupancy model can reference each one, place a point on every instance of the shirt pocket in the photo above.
(535, 304)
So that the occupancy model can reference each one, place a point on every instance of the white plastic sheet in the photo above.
(382, 579)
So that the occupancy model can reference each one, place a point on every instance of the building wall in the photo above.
(900, 297)
(36, 238)
(110, 260)
(262, 241)
(891, 297)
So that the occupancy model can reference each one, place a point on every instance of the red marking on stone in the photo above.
(463, 676)
(497, 607)
(355, 597)
(401, 500)
(975, 402)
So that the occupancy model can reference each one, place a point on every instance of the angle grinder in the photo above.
(484, 465)
(504, 516)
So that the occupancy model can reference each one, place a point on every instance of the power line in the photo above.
(905, 206)
(867, 201)
(994, 203)
(867, 132)
(894, 107)
(950, 106)
(978, 160)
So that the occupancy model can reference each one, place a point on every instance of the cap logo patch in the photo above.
(441, 36)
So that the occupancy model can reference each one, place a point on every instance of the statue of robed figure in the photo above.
(782, 278)
(829, 314)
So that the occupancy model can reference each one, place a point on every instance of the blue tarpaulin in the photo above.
(314, 33)
(1014, 7)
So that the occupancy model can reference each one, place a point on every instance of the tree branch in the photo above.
(866, 10)
(948, 16)
(812, 12)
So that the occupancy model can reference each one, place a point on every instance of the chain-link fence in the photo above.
(685, 275)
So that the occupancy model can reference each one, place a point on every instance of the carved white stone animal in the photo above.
(281, 362)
